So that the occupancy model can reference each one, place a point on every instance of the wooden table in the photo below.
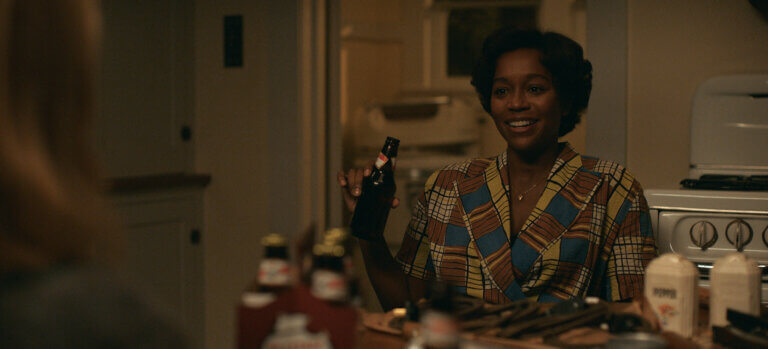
(373, 332)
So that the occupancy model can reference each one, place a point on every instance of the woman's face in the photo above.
(524, 103)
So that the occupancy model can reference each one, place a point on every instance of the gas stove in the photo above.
(723, 206)
(704, 225)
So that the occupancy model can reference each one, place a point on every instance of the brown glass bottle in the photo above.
(375, 200)
(274, 275)
(439, 327)
(340, 236)
(329, 280)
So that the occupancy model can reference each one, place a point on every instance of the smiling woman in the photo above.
(538, 221)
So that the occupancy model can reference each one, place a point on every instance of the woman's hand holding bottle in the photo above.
(370, 192)
(351, 184)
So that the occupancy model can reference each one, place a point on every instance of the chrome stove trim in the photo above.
(728, 167)
(705, 210)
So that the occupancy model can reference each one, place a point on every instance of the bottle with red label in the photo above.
(340, 236)
(291, 332)
(329, 279)
(439, 328)
(378, 191)
(274, 274)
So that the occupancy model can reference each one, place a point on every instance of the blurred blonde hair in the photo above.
(50, 207)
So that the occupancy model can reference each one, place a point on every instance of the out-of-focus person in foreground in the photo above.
(56, 290)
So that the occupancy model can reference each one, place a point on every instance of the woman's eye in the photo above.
(501, 91)
(536, 89)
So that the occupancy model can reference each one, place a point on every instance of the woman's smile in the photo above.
(521, 126)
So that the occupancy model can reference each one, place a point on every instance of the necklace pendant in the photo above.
(520, 197)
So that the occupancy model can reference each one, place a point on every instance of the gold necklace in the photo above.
(522, 195)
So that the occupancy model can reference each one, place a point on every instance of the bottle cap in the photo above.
(336, 236)
(328, 249)
(273, 240)
(392, 143)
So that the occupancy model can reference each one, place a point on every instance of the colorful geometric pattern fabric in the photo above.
(588, 235)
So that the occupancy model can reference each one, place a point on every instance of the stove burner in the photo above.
(727, 182)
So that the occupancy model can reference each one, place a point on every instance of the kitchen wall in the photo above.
(673, 47)
(232, 146)
(248, 135)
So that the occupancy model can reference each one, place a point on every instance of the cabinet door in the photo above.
(146, 87)
(163, 253)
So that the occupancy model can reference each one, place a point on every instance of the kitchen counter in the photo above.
(355, 328)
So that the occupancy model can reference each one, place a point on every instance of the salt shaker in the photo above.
(735, 284)
(671, 287)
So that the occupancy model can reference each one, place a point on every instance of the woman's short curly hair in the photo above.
(563, 57)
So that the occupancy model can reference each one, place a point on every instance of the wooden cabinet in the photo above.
(146, 87)
(163, 254)
(144, 138)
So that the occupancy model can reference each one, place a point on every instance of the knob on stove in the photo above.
(765, 236)
(703, 234)
(738, 233)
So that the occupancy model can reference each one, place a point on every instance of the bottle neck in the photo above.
(390, 148)
(329, 263)
(276, 252)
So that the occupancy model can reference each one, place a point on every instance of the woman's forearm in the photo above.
(388, 280)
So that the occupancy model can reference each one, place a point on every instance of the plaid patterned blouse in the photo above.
(588, 235)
